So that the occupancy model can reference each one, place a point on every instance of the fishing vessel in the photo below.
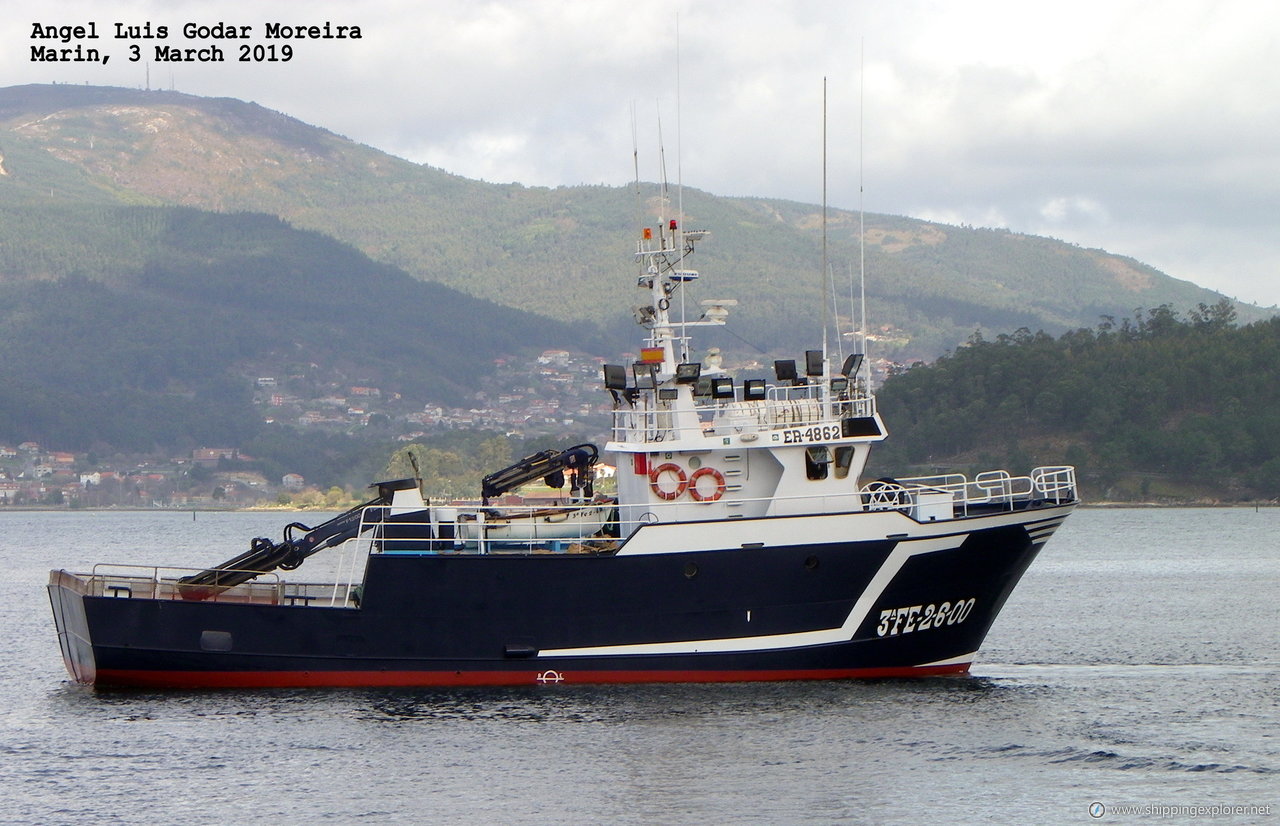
(742, 544)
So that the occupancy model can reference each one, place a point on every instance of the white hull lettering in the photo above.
(895, 621)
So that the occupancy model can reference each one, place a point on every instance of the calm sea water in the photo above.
(1136, 665)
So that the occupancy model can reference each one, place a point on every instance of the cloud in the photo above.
(1148, 128)
(1073, 208)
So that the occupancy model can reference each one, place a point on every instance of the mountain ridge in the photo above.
(929, 285)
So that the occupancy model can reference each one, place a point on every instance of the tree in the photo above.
(1187, 399)
(1220, 316)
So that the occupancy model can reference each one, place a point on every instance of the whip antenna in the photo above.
(635, 159)
(825, 321)
(862, 234)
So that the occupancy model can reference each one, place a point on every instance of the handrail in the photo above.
(998, 488)
(784, 407)
(156, 569)
(162, 583)
(1056, 482)
(148, 581)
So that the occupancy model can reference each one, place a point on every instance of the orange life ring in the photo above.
(693, 484)
(682, 482)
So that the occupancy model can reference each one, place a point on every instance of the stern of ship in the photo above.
(66, 596)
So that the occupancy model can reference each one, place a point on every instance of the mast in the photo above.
(826, 356)
(862, 234)
(678, 238)
(825, 320)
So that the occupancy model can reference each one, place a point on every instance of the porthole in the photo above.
(690, 570)
(811, 563)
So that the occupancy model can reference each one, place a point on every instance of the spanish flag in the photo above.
(651, 355)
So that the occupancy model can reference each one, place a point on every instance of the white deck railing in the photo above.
(995, 488)
(652, 420)
(588, 528)
(572, 528)
(164, 583)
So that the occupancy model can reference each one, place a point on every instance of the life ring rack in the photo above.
(696, 494)
(682, 481)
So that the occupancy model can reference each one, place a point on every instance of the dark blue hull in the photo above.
(891, 607)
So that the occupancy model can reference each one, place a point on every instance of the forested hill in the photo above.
(1155, 408)
(928, 285)
(140, 328)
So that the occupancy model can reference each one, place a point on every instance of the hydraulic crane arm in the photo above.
(265, 556)
(546, 465)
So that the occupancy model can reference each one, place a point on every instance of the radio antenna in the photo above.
(662, 166)
(825, 321)
(635, 159)
(862, 233)
(677, 238)
(679, 153)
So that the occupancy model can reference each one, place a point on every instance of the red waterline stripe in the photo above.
(372, 679)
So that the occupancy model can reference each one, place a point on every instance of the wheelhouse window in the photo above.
(817, 458)
(844, 460)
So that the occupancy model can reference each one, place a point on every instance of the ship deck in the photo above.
(923, 499)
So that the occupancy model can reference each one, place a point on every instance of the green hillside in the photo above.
(1155, 408)
(928, 285)
(138, 328)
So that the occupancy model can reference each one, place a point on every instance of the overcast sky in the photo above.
(1147, 128)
